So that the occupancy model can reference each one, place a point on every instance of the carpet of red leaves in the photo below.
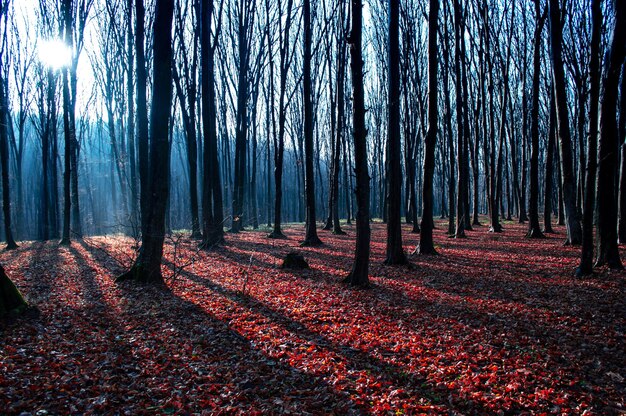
(494, 324)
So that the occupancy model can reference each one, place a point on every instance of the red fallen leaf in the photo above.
(491, 326)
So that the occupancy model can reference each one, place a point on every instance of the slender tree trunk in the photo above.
(142, 113)
(448, 130)
(341, 76)
(241, 131)
(65, 238)
(549, 172)
(279, 141)
(130, 123)
(460, 143)
(66, 8)
(586, 259)
(534, 229)
(310, 238)
(4, 159)
(426, 245)
(568, 179)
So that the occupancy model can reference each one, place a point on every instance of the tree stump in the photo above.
(294, 260)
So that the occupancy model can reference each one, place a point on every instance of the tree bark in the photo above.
(622, 141)
(426, 245)
(586, 259)
(394, 251)
(279, 141)
(4, 159)
(212, 208)
(608, 147)
(549, 172)
(147, 267)
(359, 276)
(568, 178)
(142, 114)
(534, 229)
(310, 238)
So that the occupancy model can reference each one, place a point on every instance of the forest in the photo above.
(312, 207)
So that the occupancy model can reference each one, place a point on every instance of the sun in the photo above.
(54, 53)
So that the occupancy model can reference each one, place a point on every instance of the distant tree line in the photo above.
(215, 116)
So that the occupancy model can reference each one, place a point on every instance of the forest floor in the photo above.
(494, 324)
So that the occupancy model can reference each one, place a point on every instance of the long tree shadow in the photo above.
(229, 372)
(355, 360)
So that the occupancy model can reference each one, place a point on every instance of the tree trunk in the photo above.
(142, 114)
(426, 245)
(4, 159)
(359, 276)
(341, 77)
(310, 238)
(65, 238)
(212, 208)
(460, 142)
(586, 259)
(534, 230)
(147, 267)
(241, 131)
(608, 147)
(279, 142)
(66, 9)
(394, 252)
(448, 130)
(130, 123)
(622, 141)
(568, 178)
(549, 173)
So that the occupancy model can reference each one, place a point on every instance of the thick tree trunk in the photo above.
(426, 245)
(394, 252)
(622, 141)
(147, 267)
(359, 276)
(608, 147)
(11, 300)
(586, 259)
(568, 178)
(212, 209)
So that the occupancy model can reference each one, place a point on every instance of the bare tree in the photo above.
(426, 245)
(608, 252)
(359, 276)
(147, 267)
(568, 179)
